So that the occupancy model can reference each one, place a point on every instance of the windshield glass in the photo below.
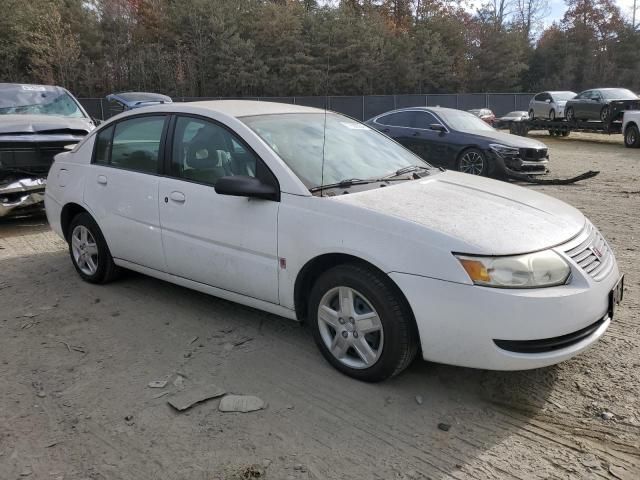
(38, 100)
(463, 121)
(352, 150)
(563, 95)
(619, 94)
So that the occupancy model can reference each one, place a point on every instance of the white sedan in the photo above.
(313, 216)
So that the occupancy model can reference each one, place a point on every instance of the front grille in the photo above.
(549, 344)
(533, 154)
(28, 156)
(591, 252)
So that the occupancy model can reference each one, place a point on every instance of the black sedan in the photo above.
(604, 104)
(460, 141)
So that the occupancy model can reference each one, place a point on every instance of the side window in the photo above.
(539, 97)
(425, 119)
(204, 152)
(585, 95)
(136, 144)
(400, 119)
(103, 146)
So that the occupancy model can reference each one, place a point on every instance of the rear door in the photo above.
(431, 145)
(122, 188)
(218, 240)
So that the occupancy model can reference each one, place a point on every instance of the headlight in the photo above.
(532, 270)
(503, 150)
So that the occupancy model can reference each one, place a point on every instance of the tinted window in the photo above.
(539, 97)
(400, 119)
(424, 120)
(103, 145)
(584, 95)
(204, 152)
(136, 144)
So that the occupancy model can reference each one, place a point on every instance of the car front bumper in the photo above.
(459, 324)
(504, 166)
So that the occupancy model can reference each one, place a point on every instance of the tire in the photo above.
(392, 339)
(552, 114)
(604, 114)
(565, 133)
(473, 161)
(569, 113)
(632, 137)
(89, 252)
(532, 114)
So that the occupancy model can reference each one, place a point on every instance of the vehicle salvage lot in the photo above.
(76, 359)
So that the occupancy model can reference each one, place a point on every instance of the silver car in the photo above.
(549, 104)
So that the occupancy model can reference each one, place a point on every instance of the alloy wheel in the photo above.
(472, 162)
(350, 328)
(85, 250)
(604, 114)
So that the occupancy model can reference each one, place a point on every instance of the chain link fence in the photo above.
(363, 107)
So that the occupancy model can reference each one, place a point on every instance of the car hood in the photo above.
(21, 124)
(478, 215)
(507, 139)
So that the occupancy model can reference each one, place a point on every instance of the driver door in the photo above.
(223, 241)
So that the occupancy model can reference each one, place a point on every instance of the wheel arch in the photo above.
(69, 211)
(315, 267)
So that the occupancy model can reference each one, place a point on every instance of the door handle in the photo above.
(177, 197)
(102, 180)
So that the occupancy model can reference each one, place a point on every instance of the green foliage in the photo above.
(305, 47)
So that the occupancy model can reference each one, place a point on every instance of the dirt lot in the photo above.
(75, 361)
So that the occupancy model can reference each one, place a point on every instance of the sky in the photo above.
(558, 8)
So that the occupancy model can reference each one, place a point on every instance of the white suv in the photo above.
(631, 128)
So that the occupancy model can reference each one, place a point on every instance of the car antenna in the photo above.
(326, 105)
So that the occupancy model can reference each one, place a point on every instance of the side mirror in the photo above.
(245, 186)
(437, 127)
(96, 121)
(548, 100)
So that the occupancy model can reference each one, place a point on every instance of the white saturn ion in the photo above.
(313, 216)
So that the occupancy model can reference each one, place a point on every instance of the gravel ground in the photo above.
(76, 359)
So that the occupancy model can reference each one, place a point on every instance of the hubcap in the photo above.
(631, 137)
(85, 250)
(472, 162)
(350, 327)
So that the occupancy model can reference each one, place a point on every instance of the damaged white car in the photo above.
(313, 216)
(36, 123)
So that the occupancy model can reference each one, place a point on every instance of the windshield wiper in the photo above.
(408, 169)
(350, 182)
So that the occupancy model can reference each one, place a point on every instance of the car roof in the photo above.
(246, 108)
(431, 109)
(46, 88)
(140, 97)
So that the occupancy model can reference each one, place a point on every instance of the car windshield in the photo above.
(39, 100)
(619, 94)
(351, 150)
(563, 95)
(463, 121)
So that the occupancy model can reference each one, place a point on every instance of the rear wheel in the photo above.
(565, 133)
(473, 161)
(361, 323)
(570, 115)
(632, 137)
(89, 252)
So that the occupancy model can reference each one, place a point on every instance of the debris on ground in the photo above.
(157, 384)
(241, 403)
(193, 340)
(621, 473)
(186, 399)
(419, 399)
(444, 427)
(178, 382)
(128, 419)
(242, 341)
(607, 415)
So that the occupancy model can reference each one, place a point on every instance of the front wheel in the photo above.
(89, 252)
(632, 137)
(604, 114)
(552, 114)
(361, 323)
(473, 161)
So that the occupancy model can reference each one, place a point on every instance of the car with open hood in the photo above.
(36, 123)
(313, 216)
(460, 141)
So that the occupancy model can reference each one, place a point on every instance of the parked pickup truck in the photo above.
(631, 128)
